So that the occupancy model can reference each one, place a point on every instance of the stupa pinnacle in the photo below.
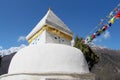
(50, 24)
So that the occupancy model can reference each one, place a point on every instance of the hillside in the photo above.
(5, 63)
(108, 67)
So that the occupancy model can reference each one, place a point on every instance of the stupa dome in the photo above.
(49, 58)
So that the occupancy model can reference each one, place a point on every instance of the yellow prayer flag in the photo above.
(112, 20)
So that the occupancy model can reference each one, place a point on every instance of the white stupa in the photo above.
(49, 55)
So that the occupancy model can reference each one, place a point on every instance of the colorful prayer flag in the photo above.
(110, 24)
(93, 35)
(104, 27)
(117, 15)
(116, 10)
(110, 15)
(89, 39)
(112, 20)
(99, 32)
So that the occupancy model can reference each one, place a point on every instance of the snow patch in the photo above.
(11, 50)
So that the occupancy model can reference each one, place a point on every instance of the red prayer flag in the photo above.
(93, 36)
(104, 27)
(117, 15)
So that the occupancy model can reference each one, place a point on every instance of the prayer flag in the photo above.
(104, 27)
(93, 35)
(99, 32)
(112, 20)
(110, 15)
(117, 15)
(89, 39)
(110, 24)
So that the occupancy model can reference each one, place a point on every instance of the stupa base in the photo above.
(34, 76)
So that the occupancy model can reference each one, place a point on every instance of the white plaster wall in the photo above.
(49, 58)
(47, 37)
(64, 41)
(40, 39)
(52, 38)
